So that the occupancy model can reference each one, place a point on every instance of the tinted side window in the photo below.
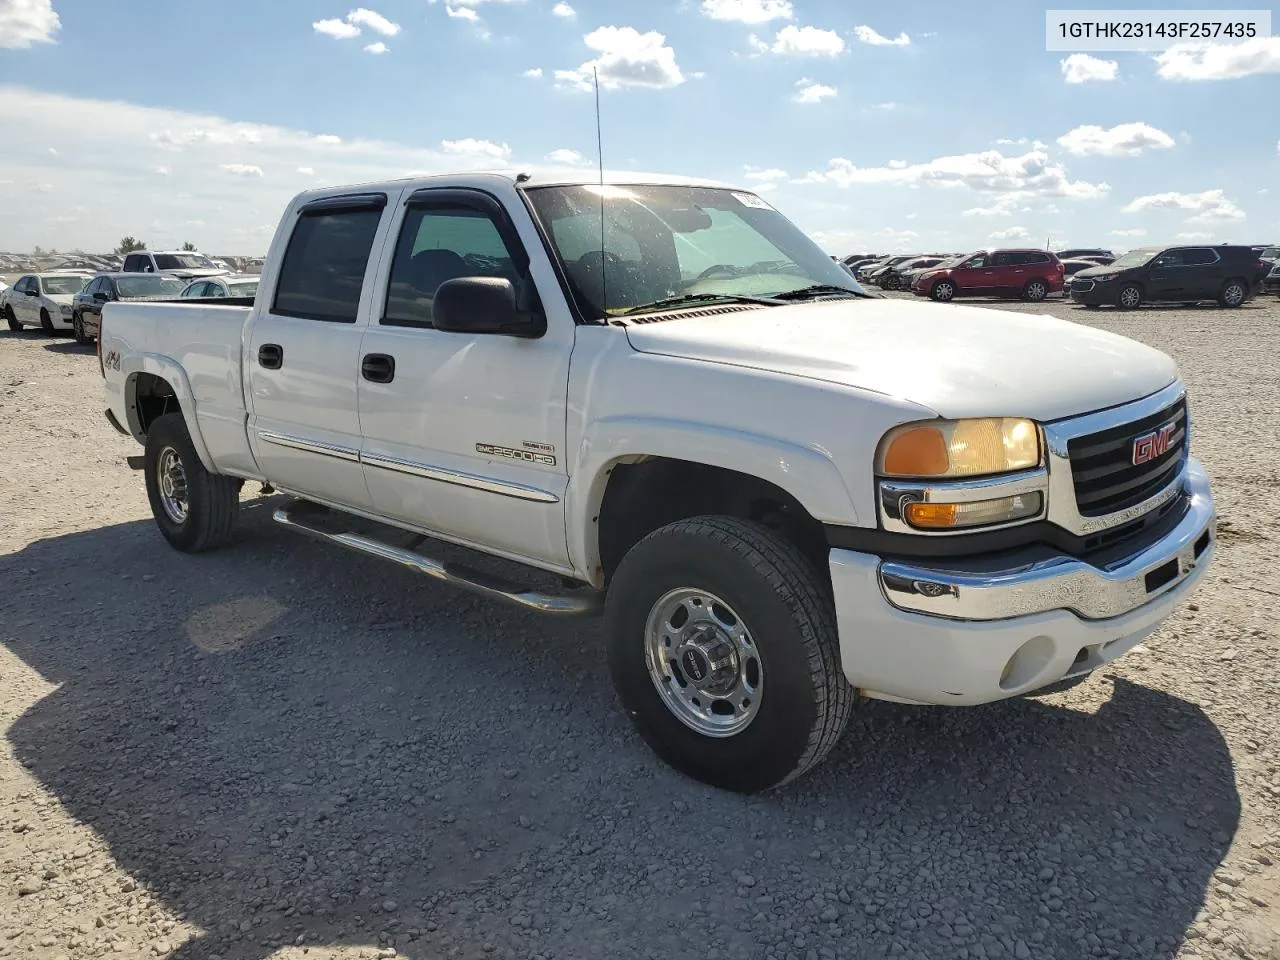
(133, 263)
(1036, 258)
(1170, 258)
(324, 266)
(1198, 256)
(438, 244)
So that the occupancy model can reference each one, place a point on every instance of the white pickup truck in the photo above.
(786, 494)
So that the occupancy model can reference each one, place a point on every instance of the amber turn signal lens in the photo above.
(931, 515)
(918, 451)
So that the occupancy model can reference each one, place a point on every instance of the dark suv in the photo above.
(1187, 275)
(1029, 274)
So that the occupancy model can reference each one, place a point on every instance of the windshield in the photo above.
(1134, 258)
(668, 241)
(183, 261)
(130, 287)
(1271, 253)
(58, 286)
(243, 288)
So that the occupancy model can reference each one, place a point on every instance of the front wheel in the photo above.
(724, 653)
(11, 319)
(77, 327)
(195, 510)
(943, 291)
(1129, 297)
(46, 322)
(1035, 291)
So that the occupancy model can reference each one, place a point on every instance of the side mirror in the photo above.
(33, 293)
(483, 305)
(100, 297)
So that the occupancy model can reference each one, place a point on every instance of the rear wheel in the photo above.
(11, 319)
(46, 321)
(1129, 297)
(1233, 293)
(77, 327)
(943, 291)
(1035, 291)
(195, 510)
(724, 653)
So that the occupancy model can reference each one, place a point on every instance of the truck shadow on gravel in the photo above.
(281, 740)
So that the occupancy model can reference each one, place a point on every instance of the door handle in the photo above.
(271, 356)
(378, 368)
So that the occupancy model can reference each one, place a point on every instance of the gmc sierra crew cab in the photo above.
(659, 395)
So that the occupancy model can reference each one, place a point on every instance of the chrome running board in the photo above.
(295, 517)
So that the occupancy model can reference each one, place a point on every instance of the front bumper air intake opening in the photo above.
(1027, 663)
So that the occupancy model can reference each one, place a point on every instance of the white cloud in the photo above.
(377, 48)
(241, 169)
(163, 171)
(563, 9)
(1011, 233)
(1122, 140)
(1193, 235)
(748, 11)
(374, 21)
(477, 148)
(569, 158)
(338, 29)
(45, 187)
(771, 173)
(1082, 68)
(810, 91)
(887, 105)
(462, 13)
(801, 42)
(328, 139)
(307, 171)
(627, 58)
(1028, 175)
(1219, 61)
(1004, 207)
(533, 73)
(53, 151)
(866, 34)
(24, 22)
(177, 140)
(1133, 232)
(897, 164)
(1209, 205)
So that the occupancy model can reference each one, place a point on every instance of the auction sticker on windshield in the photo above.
(751, 200)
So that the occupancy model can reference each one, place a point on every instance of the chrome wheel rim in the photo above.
(172, 480)
(1233, 294)
(1129, 297)
(1036, 291)
(945, 291)
(703, 662)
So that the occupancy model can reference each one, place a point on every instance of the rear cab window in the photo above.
(322, 273)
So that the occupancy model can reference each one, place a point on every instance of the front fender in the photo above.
(806, 473)
(170, 371)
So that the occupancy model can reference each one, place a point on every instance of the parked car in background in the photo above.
(891, 277)
(1095, 259)
(864, 270)
(186, 264)
(1084, 253)
(1271, 283)
(232, 285)
(1071, 267)
(42, 300)
(1029, 274)
(86, 307)
(1185, 274)
(1270, 254)
(878, 271)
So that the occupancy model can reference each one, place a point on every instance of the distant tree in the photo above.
(189, 246)
(130, 244)
(38, 251)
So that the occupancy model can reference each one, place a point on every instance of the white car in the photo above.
(219, 287)
(42, 300)
(787, 495)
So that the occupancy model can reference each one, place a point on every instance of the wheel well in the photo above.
(644, 496)
(152, 397)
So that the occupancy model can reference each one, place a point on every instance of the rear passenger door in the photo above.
(1203, 273)
(302, 355)
(1167, 279)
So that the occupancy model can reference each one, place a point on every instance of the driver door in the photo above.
(975, 275)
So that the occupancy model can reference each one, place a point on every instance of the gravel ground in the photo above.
(282, 749)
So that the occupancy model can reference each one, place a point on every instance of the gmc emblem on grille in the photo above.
(1155, 444)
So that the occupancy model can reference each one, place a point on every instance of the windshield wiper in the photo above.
(821, 290)
(695, 298)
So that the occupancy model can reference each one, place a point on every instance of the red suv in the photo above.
(1029, 274)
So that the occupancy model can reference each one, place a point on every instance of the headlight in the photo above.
(1102, 279)
(959, 448)
(66, 311)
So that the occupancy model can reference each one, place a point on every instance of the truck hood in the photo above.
(958, 361)
(196, 273)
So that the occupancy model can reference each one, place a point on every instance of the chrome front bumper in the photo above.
(980, 590)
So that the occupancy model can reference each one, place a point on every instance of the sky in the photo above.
(930, 126)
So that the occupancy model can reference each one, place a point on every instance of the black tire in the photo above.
(1092, 306)
(1035, 290)
(212, 500)
(46, 322)
(1129, 297)
(784, 604)
(1233, 293)
(944, 291)
(11, 319)
(77, 329)
(892, 282)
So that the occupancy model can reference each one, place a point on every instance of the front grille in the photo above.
(1102, 467)
(1083, 283)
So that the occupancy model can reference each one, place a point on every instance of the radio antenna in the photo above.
(604, 289)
